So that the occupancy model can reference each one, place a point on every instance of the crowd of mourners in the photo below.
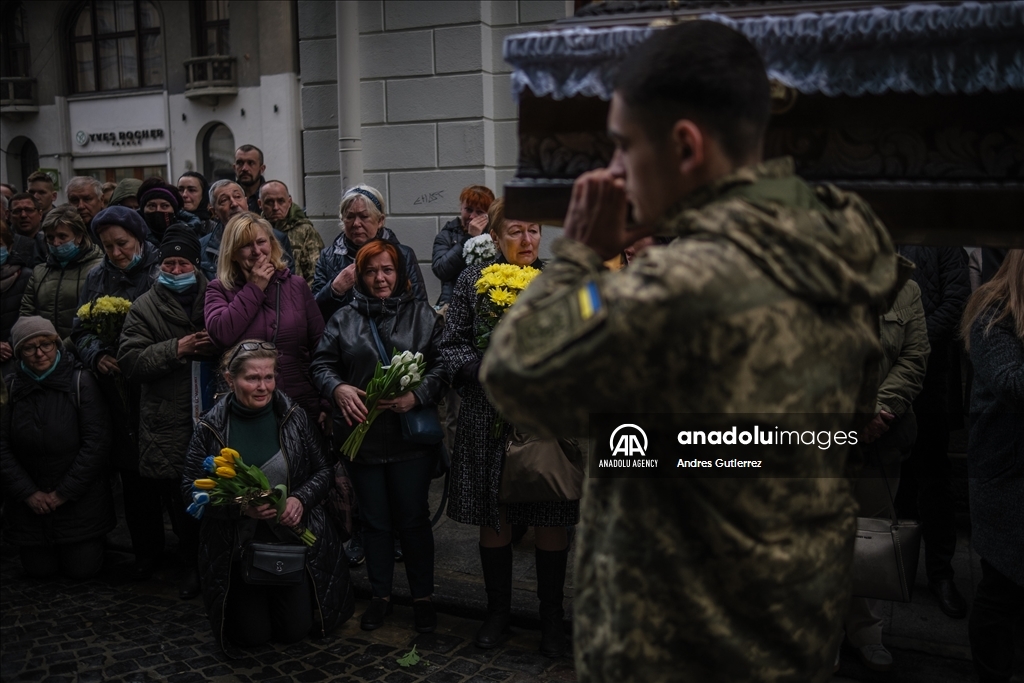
(247, 332)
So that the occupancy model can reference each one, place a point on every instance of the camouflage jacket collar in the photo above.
(674, 222)
(296, 217)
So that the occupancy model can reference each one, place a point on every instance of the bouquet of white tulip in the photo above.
(404, 374)
(479, 249)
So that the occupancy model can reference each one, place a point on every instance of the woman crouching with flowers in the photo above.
(479, 450)
(391, 475)
(268, 430)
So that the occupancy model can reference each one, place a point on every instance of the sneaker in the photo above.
(875, 657)
(354, 550)
(373, 617)
(424, 616)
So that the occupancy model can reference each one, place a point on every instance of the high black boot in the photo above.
(497, 565)
(550, 582)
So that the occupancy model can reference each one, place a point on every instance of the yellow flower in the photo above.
(502, 297)
(230, 454)
(205, 484)
(226, 472)
(223, 462)
(83, 312)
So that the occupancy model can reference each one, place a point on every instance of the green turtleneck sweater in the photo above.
(253, 432)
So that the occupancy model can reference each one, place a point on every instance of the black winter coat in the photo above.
(337, 256)
(55, 436)
(447, 261)
(122, 396)
(347, 354)
(14, 278)
(309, 478)
(942, 275)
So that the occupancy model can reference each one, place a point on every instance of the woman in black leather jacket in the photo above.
(391, 476)
(272, 432)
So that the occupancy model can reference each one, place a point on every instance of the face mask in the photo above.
(3, 255)
(64, 252)
(134, 262)
(156, 222)
(177, 283)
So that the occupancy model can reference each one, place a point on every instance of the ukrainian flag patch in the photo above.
(589, 300)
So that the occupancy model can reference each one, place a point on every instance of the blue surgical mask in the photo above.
(134, 262)
(3, 255)
(65, 252)
(177, 283)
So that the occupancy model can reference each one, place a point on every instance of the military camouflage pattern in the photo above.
(765, 303)
(305, 240)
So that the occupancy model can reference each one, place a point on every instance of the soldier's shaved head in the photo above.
(702, 71)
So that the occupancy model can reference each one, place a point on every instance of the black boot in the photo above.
(497, 564)
(550, 582)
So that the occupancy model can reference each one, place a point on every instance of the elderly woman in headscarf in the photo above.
(362, 218)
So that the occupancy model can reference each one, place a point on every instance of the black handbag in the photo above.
(273, 564)
(419, 425)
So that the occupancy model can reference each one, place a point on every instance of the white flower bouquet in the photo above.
(404, 374)
(479, 249)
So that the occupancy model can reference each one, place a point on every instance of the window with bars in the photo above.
(213, 34)
(116, 45)
(15, 43)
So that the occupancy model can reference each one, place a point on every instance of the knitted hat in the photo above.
(155, 188)
(122, 216)
(128, 187)
(29, 327)
(179, 240)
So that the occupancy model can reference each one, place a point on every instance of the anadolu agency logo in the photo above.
(629, 441)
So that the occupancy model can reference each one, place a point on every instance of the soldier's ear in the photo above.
(687, 144)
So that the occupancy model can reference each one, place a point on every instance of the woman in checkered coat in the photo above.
(477, 459)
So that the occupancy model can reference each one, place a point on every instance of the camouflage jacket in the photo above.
(305, 240)
(765, 303)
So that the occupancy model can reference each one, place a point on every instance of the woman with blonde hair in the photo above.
(993, 331)
(255, 296)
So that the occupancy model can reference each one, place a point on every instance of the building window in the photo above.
(116, 175)
(15, 44)
(219, 153)
(115, 45)
(213, 34)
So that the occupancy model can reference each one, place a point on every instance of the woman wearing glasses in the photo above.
(255, 296)
(57, 498)
(270, 431)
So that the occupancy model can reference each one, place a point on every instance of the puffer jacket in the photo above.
(30, 251)
(284, 313)
(348, 354)
(122, 396)
(942, 275)
(55, 436)
(54, 292)
(108, 280)
(341, 254)
(148, 355)
(447, 261)
(310, 478)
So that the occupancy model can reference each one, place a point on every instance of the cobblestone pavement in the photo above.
(113, 629)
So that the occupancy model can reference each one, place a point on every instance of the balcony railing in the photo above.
(18, 95)
(210, 77)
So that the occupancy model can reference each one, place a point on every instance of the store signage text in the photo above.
(124, 138)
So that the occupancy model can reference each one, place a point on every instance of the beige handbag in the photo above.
(537, 470)
(885, 556)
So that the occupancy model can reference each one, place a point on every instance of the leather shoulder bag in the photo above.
(885, 555)
(273, 564)
(537, 470)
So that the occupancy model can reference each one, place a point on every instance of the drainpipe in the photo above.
(350, 142)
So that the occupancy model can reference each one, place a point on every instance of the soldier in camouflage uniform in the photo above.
(286, 216)
(764, 302)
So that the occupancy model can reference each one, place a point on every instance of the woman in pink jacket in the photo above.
(256, 297)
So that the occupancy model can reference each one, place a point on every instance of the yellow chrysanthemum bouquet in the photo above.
(104, 317)
(497, 289)
(230, 481)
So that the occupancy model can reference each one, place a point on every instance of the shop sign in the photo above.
(122, 138)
